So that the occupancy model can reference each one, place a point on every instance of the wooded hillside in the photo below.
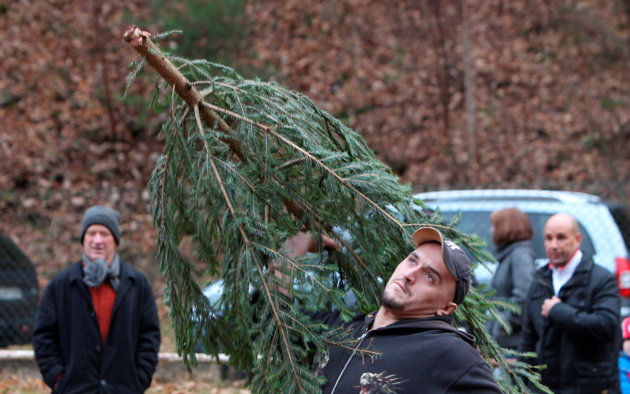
(449, 93)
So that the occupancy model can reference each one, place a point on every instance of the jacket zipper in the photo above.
(343, 370)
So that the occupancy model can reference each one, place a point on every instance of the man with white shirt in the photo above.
(571, 317)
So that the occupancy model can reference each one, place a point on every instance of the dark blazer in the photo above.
(67, 341)
(580, 340)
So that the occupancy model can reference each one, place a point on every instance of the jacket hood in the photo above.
(440, 323)
(502, 251)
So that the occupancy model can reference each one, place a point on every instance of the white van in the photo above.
(605, 226)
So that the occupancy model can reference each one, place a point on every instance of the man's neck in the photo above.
(383, 318)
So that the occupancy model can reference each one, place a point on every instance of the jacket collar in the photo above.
(579, 277)
(127, 278)
(441, 323)
(503, 251)
(126, 274)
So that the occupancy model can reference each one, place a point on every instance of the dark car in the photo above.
(19, 294)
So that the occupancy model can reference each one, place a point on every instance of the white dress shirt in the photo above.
(562, 275)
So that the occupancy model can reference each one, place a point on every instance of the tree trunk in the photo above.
(471, 104)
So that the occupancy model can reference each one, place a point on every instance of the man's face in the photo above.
(99, 242)
(421, 285)
(562, 239)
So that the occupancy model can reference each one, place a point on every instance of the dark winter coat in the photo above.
(581, 338)
(511, 281)
(67, 341)
(415, 356)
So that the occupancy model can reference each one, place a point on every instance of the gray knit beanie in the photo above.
(99, 214)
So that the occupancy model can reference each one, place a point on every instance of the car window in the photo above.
(18, 294)
(479, 223)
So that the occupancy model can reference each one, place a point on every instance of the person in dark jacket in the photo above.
(96, 327)
(419, 350)
(511, 234)
(572, 317)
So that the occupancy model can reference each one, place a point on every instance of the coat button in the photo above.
(97, 348)
(103, 383)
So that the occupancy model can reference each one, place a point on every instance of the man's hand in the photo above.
(548, 304)
(296, 246)
(303, 242)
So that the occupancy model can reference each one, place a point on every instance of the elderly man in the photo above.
(419, 350)
(96, 328)
(571, 318)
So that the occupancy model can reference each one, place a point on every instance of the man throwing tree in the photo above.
(418, 350)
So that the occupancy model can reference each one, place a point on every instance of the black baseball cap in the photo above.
(454, 258)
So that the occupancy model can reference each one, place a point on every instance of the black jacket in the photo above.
(67, 341)
(580, 340)
(414, 356)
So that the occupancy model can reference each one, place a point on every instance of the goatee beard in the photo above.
(389, 302)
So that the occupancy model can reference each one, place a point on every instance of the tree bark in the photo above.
(469, 86)
(140, 40)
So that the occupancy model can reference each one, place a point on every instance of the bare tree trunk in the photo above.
(626, 8)
(101, 61)
(441, 63)
(469, 86)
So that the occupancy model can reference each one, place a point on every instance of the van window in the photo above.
(479, 223)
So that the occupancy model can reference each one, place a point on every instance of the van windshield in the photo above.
(479, 223)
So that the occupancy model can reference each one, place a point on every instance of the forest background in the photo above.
(450, 94)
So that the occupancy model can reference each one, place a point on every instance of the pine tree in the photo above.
(245, 165)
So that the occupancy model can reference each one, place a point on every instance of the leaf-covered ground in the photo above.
(14, 384)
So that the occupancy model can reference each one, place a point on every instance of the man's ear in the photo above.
(447, 309)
